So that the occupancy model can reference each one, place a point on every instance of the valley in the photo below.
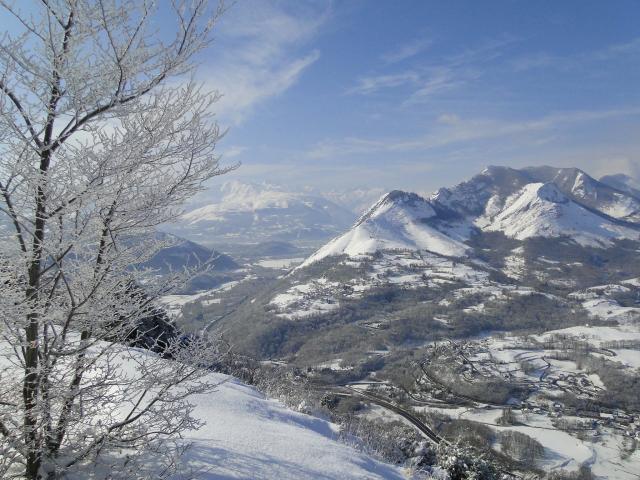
(436, 308)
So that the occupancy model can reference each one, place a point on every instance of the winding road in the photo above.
(346, 391)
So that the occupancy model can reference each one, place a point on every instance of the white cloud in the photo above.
(259, 53)
(425, 80)
(545, 60)
(233, 151)
(607, 163)
(408, 50)
(368, 85)
(448, 119)
(453, 131)
(245, 86)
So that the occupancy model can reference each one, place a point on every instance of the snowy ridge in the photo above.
(533, 202)
(542, 210)
(612, 195)
(398, 221)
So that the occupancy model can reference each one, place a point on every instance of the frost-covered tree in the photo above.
(102, 137)
(462, 463)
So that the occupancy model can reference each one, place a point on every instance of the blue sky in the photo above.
(419, 94)
(336, 95)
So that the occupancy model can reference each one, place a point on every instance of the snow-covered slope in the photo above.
(249, 436)
(398, 221)
(622, 203)
(542, 210)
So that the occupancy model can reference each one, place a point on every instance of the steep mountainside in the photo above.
(542, 210)
(398, 221)
(590, 192)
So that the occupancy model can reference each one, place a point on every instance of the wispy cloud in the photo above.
(453, 130)
(234, 151)
(260, 53)
(426, 79)
(421, 83)
(245, 86)
(368, 85)
(566, 62)
(536, 60)
(440, 80)
(406, 51)
(628, 48)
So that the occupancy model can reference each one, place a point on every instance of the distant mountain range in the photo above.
(251, 213)
(522, 203)
(532, 202)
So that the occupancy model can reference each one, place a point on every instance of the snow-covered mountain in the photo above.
(623, 182)
(521, 204)
(542, 210)
(619, 203)
(530, 260)
(398, 221)
(250, 213)
(493, 185)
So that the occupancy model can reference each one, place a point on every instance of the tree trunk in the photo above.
(32, 348)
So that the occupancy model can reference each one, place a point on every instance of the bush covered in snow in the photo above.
(391, 441)
(463, 463)
(521, 447)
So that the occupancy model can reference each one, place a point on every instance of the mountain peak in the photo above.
(550, 192)
(398, 221)
(400, 201)
(492, 170)
(396, 195)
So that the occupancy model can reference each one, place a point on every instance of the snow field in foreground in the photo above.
(249, 436)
